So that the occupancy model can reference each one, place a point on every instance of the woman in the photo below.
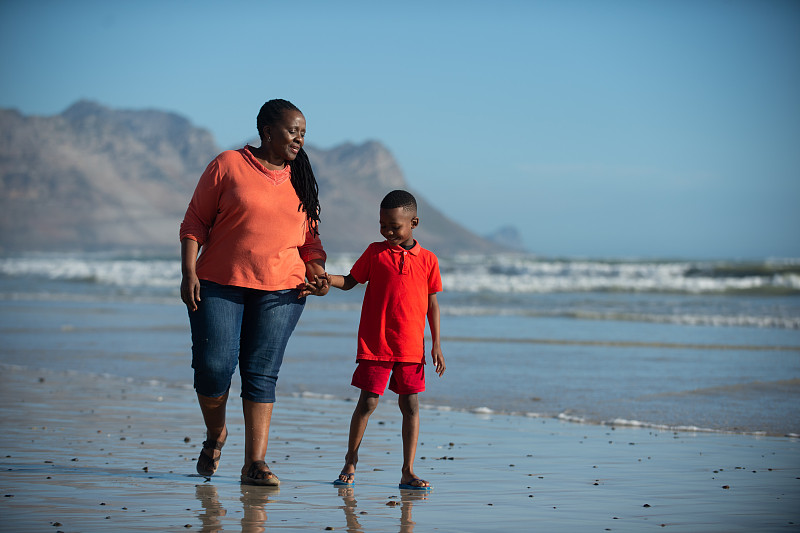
(255, 213)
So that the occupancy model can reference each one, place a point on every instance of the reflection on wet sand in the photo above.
(254, 501)
(407, 499)
(349, 508)
(212, 509)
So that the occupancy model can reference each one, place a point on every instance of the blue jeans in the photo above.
(246, 325)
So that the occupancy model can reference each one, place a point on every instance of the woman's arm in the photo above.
(190, 285)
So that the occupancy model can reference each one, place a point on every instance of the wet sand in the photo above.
(99, 453)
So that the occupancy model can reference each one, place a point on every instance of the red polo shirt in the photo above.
(392, 326)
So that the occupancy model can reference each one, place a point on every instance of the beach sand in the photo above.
(89, 453)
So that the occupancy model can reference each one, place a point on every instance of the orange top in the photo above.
(246, 219)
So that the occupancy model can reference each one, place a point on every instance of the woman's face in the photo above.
(284, 139)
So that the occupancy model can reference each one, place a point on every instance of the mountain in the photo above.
(508, 236)
(353, 179)
(94, 178)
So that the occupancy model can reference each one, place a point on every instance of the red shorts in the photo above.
(372, 376)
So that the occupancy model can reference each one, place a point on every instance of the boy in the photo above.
(403, 282)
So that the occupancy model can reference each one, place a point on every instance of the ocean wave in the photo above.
(565, 416)
(486, 412)
(631, 291)
(686, 319)
(465, 274)
(677, 428)
(525, 274)
(163, 273)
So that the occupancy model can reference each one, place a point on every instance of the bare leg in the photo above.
(214, 415)
(257, 418)
(366, 405)
(213, 410)
(409, 406)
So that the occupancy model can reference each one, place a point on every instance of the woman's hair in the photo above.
(303, 180)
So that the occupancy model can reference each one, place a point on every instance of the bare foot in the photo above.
(348, 473)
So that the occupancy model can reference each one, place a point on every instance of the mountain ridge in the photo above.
(94, 178)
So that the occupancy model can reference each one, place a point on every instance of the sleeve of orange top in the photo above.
(312, 248)
(202, 210)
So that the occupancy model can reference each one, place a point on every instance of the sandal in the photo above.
(256, 475)
(348, 481)
(416, 483)
(207, 464)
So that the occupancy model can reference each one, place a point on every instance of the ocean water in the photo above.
(685, 345)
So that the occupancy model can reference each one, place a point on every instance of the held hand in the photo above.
(323, 284)
(190, 292)
(318, 287)
(305, 289)
(438, 360)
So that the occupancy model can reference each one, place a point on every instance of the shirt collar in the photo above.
(399, 249)
(275, 176)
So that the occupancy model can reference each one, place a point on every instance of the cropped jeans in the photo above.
(248, 326)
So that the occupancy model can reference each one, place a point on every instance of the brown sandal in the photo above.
(207, 464)
(256, 476)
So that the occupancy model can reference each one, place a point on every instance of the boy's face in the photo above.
(397, 226)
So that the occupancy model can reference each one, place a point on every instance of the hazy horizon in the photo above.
(617, 129)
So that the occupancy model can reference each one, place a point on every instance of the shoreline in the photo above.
(580, 378)
(95, 453)
(430, 407)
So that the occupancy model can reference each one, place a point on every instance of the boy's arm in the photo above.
(433, 321)
(341, 282)
(326, 280)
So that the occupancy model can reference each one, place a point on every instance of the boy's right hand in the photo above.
(319, 287)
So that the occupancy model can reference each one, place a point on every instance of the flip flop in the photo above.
(351, 476)
(411, 486)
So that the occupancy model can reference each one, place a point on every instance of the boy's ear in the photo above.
(414, 222)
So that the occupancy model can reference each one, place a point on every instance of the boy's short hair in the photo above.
(399, 198)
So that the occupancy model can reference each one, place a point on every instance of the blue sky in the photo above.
(597, 128)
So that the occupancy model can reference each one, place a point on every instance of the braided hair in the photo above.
(303, 179)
